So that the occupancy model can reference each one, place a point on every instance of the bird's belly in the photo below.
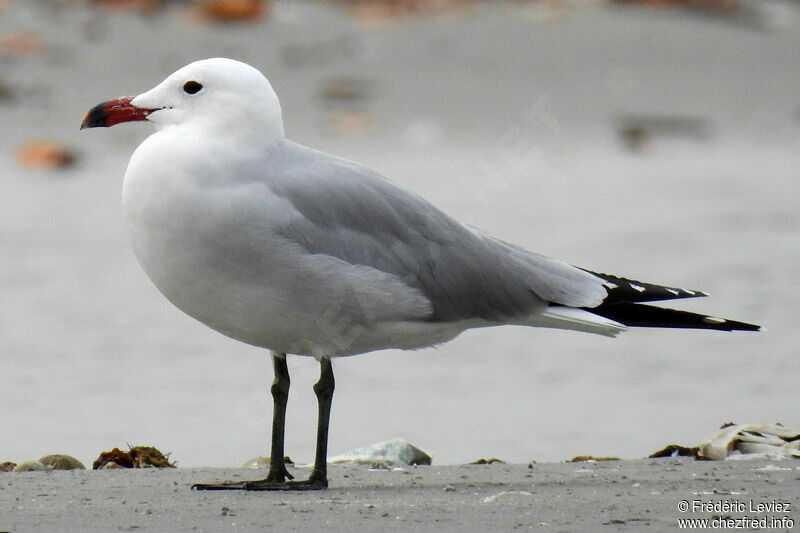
(247, 283)
(285, 315)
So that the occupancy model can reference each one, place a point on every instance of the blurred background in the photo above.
(656, 139)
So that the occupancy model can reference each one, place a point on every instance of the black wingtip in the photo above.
(629, 290)
(728, 325)
(650, 316)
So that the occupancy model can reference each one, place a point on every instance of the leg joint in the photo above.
(280, 388)
(324, 388)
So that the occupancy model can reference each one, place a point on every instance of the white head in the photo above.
(217, 93)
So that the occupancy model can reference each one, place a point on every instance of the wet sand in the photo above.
(629, 495)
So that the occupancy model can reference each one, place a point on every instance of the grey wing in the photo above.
(349, 212)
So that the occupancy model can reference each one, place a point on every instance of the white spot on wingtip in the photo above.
(713, 320)
(688, 291)
(673, 291)
(637, 287)
(610, 286)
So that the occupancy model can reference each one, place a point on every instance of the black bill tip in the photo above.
(97, 117)
(113, 112)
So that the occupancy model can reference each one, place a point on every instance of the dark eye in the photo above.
(191, 87)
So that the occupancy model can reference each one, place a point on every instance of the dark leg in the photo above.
(319, 476)
(280, 394)
(324, 390)
(276, 478)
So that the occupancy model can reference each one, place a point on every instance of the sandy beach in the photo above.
(631, 495)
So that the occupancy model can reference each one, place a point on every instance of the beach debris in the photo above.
(257, 462)
(20, 43)
(637, 131)
(741, 441)
(675, 450)
(751, 441)
(490, 461)
(493, 498)
(61, 462)
(772, 468)
(7, 466)
(147, 456)
(116, 458)
(390, 452)
(591, 459)
(42, 154)
(263, 462)
(30, 466)
(135, 457)
(234, 10)
(380, 465)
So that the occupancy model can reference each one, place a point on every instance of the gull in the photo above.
(301, 252)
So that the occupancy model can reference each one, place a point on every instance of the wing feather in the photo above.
(349, 212)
